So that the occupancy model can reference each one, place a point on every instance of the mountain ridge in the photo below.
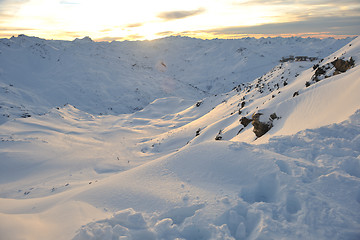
(123, 77)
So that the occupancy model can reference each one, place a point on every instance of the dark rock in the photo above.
(337, 72)
(296, 94)
(260, 128)
(245, 121)
(243, 104)
(218, 136)
(342, 65)
(25, 115)
(320, 71)
(240, 131)
(198, 103)
(197, 133)
(256, 116)
(273, 116)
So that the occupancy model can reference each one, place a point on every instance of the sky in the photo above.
(107, 20)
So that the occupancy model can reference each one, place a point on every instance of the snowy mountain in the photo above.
(123, 77)
(180, 138)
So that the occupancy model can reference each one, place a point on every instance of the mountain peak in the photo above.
(85, 39)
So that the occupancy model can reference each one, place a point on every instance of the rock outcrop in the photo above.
(330, 69)
(245, 121)
(260, 128)
(342, 66)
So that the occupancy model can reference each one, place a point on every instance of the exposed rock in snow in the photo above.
(260, 128)
(342, 66)
(245, 121)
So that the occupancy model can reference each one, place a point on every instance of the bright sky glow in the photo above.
(143, 19)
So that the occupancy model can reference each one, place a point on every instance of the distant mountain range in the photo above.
(123, 77)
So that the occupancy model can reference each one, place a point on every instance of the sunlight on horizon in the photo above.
(139, 19)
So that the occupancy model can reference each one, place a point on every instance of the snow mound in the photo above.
(299, 187)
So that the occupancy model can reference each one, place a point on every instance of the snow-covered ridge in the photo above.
(123, 77)
(282, 93)
(189, 168)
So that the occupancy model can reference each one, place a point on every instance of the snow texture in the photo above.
(142, 140)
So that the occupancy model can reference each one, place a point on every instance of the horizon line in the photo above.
(194, 36)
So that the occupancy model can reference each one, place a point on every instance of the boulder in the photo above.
(260, 128)
(342, 65)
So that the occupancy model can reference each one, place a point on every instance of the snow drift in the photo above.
(184, 168)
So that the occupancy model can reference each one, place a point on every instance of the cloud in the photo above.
(106, 30)
(165, 33)
(299, 2)
(297, 10)
(9, 1)
(173, 15)
(334, 25)
(134, 25)
(131, 37)
(257, 2)
(7, 4)
(135, 37)
(109, 39)
(8, 9)
(11, 29)
(71, 34)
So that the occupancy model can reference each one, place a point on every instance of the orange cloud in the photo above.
(165, 33)
(134, 25)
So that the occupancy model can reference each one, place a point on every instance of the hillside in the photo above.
(189, 164)
(123, 77)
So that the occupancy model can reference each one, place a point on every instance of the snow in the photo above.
(94, 162)
(124, 77)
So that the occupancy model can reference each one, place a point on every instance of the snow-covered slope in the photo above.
(123, 77)
(159, 173)
(283, 91)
